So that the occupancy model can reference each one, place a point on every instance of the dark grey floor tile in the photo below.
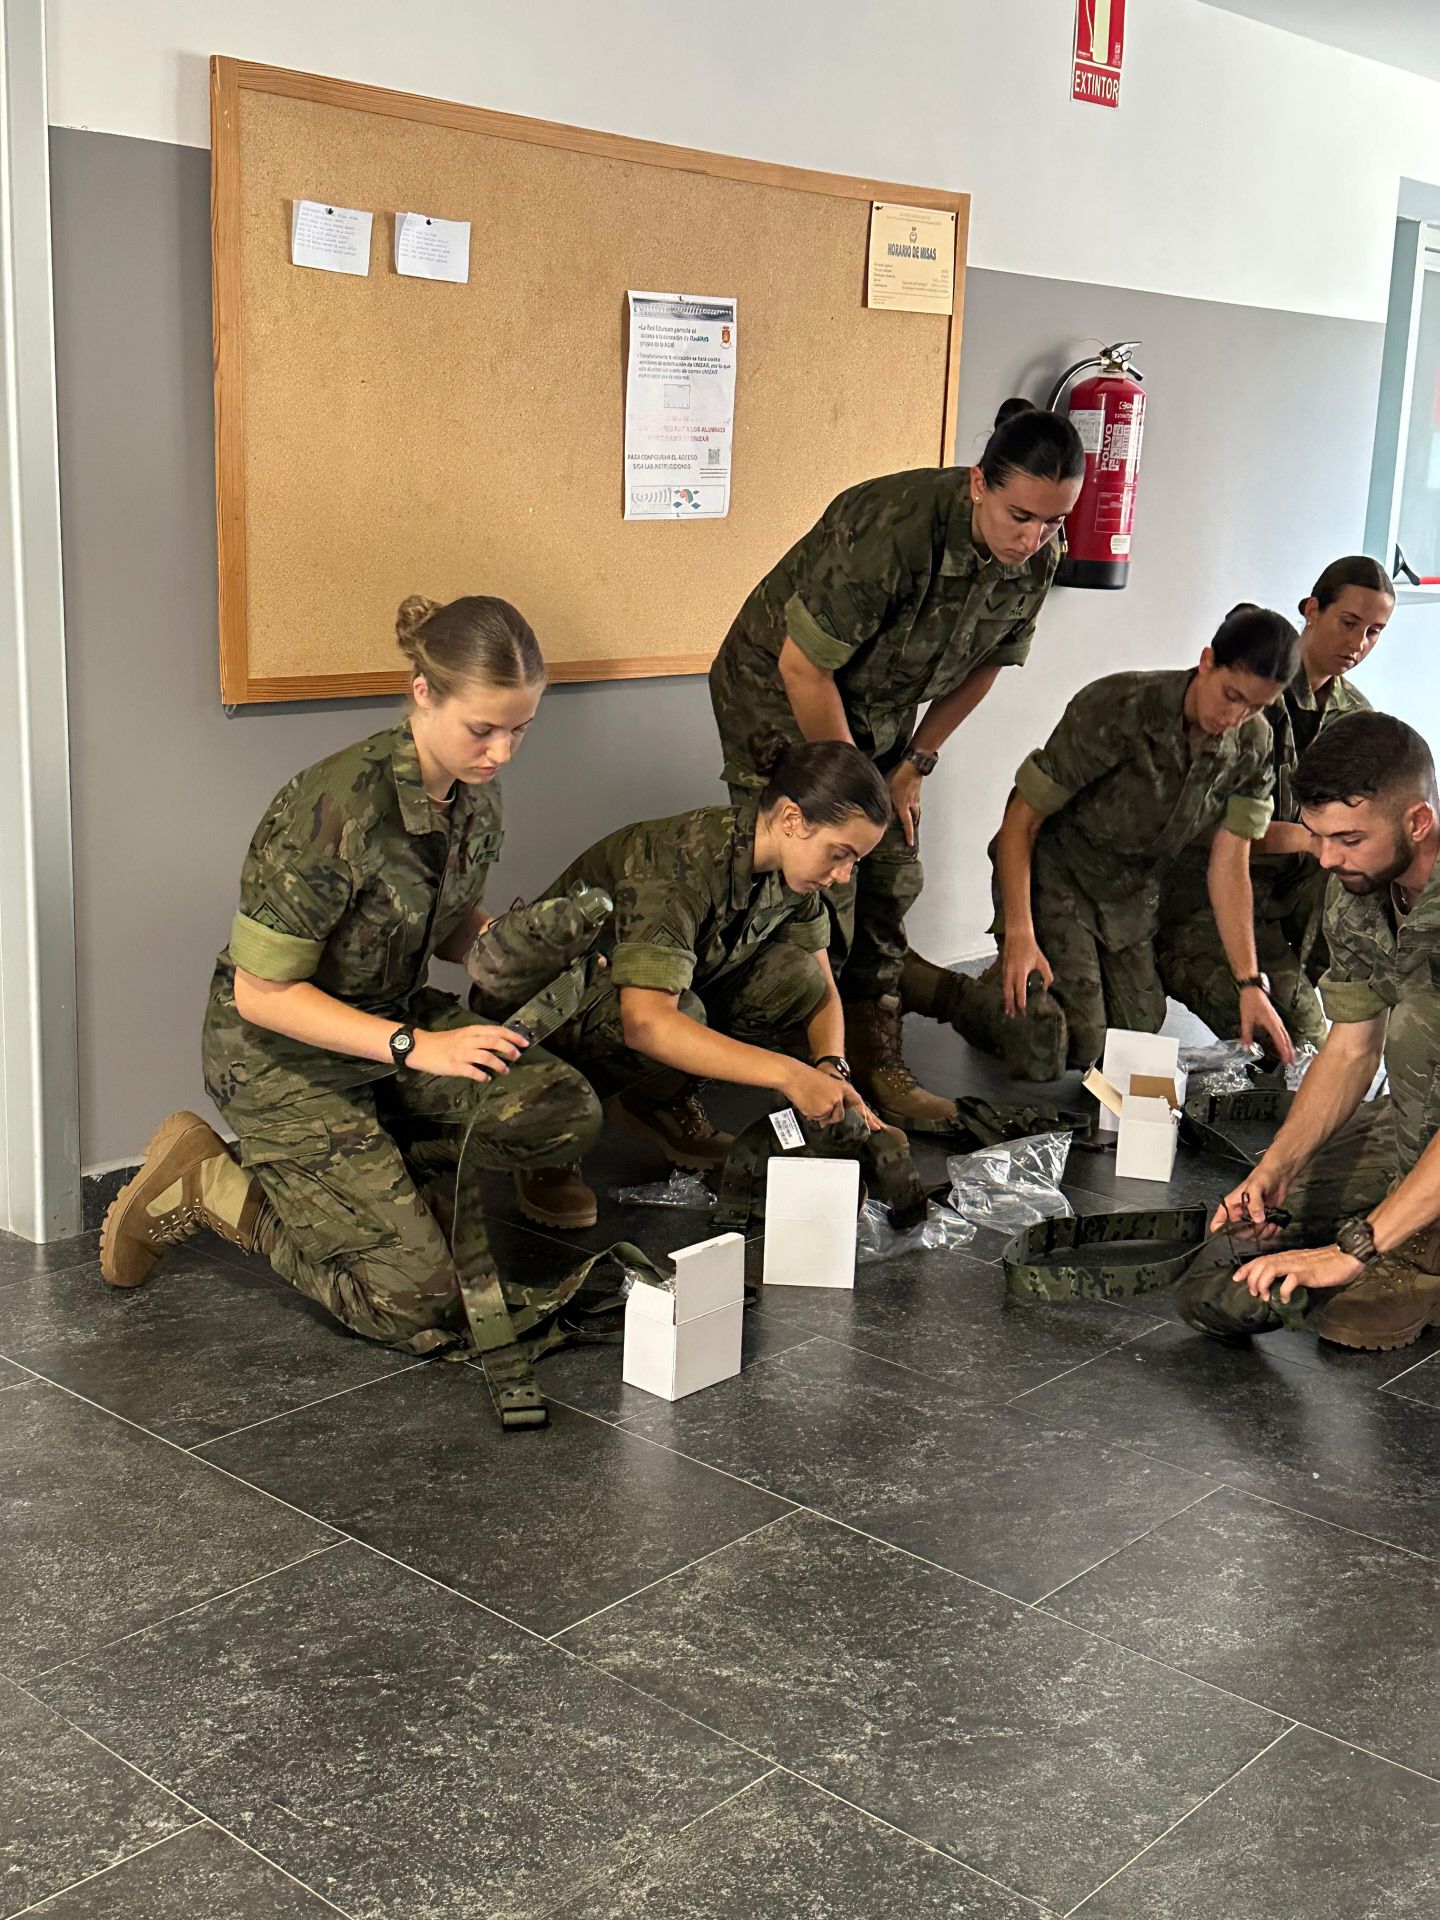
(67, 1808)
(1302, 1348)
(1423, 1384)
(397, 1749)
(1321, 1443)
(545, 1527)
(205, 1346)
(107, 1529)
(1035, 1753)
(20, 1258)
(1198, 1180)
(948, 1316)
(11, 1376)
(984, 1491)
(1313, 1828)
(590, 1377)
(1351, 1634)
(785, 1851)
(201, 1874)
(98, 1192)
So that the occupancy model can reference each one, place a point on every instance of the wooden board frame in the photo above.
(229, 78)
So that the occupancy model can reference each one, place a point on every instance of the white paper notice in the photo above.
(912, 259)
(679, 407)
(336, 239)
(428, 248)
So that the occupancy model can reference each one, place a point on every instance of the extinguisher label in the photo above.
(1120, 543)
(1089, 423)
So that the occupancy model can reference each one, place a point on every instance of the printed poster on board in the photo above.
(679, 406)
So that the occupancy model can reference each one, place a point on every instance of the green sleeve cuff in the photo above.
(637, 964)
(811, 935)
(1247, 818)
(1013, 652)
(1346, 1001)
(819, 647)
(271, 955)
(1034, 785)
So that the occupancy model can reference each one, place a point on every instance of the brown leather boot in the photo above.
(1032, 1047)
(556, 1197)
(189, 1180)
(1389, 1306)
(679, 1125)
(875, 1046)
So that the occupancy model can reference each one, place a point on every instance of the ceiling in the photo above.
(1402, 33)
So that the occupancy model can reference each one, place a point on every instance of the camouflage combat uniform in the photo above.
(693, 918)
(353, 879)
(888, 592)
(1383, 963)
(1123, 786)
(1289, 894)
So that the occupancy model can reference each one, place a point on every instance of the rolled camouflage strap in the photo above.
(886, 1168)
(1202, 1112)
(521, 956)
(989, 1123)
(1115, 1256)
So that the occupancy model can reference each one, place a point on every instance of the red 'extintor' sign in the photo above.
(1099, 47)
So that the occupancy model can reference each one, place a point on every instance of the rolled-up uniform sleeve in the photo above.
(1345, 990)
(810, 928)
(848, 589)
(1089, 741)
(294, 892)
(657, 924)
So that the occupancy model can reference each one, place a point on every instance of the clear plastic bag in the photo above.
(1222, 1067)
(876, 1239)
(685, 1190)
(1300, 1065)
(1012, 1185)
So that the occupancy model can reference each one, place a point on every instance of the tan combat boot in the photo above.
(556, 1197)
(1032, 1047)
(875, 1047)
(679, 1125)
(1389, 1306)
(189, 1180)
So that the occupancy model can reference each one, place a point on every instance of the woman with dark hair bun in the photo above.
(717, 959)
(1138, 767)
(910, 589)
(1345, 613)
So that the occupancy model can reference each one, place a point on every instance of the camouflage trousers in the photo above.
(1352, 1172)
(767, 1003)
(1288, 946)
(353, 1180)
(1097, 986)
(867, 914)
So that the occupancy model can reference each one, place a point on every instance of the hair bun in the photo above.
(1009, 408)
(411, 617)
(767, 748)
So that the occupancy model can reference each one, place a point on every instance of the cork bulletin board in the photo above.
(382, 436)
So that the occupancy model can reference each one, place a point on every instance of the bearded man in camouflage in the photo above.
(1360, 1179)
(911, 588)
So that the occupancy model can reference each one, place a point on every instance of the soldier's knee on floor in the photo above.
(1208, 1299)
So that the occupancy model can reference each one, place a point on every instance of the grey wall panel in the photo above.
(1255, 471)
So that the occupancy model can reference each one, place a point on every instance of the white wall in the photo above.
(1245, 164)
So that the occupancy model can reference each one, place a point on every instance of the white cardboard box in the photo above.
(1127, 1053)
(1149, 1129)
(810, 1212)
(686, 1336)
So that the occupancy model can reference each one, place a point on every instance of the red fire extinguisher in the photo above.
(1108, 412)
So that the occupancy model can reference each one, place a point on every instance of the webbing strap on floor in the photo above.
(1199, 1126)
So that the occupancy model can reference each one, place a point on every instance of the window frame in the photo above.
(1416, 254)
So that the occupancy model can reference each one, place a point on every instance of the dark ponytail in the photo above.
(1355, 570)
(1029, 440)
(827, 779)
(1262, 642)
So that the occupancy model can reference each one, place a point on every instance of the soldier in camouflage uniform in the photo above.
(912, 588)
(717, 950)
(1361, 1174)
(325, 1049)
(1139, 766)
(1345, 614)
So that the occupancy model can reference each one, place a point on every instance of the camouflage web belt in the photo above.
(1198, 1122)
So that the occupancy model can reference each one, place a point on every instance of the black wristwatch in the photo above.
(402, 1045)
(837, 1064)
(922, 762)
(1260, 980)
(1356, 1237)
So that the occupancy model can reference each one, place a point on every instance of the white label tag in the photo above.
(787, 1129)
(1089, 423)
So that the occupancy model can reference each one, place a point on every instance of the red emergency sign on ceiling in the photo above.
(1099, 48)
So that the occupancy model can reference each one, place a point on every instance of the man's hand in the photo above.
(1248, 1204)
(904, 785)
(1310, 1267)
(1021, 958)
(1258, 1016)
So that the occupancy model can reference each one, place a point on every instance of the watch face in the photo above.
(401, 1042)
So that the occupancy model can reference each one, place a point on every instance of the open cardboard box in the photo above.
(1148, 1118)
(685, 1336)
(1156, 1056)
